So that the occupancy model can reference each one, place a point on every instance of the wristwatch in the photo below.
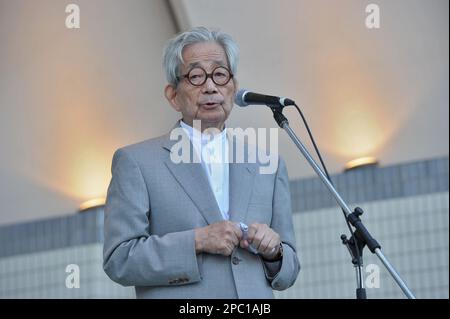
(280, 253)
(278, 256)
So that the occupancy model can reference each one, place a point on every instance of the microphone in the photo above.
(244, 98)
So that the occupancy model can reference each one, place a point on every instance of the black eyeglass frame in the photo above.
(208, 75)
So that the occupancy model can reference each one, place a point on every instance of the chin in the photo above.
(212, 119)
(216, 115)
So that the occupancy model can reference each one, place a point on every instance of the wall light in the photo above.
(91, 204)
(361, 162)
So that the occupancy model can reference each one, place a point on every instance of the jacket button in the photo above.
(175, 281)
(235, 261)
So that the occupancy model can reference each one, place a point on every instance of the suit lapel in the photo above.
(241, 182)
(194, 181)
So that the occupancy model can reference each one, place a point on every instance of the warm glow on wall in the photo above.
(357, 130)
(76, 161)
(357, 117)
(89, 174)
(78, 140)
(79, 173)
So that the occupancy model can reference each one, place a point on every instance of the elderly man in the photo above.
(178, 230)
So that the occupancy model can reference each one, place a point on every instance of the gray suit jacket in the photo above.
(153, 206)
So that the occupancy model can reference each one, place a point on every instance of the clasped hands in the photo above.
(223, 237)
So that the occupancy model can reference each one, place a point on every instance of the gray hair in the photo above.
(173, 52)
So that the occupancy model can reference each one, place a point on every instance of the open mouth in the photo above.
(210, 105)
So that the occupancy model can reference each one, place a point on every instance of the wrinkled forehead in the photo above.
(205, 54)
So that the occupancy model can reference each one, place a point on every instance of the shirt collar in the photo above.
(204, 138)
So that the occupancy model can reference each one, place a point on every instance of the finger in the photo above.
(264, 246)
(226, 250)
(271, 246)
(231, 234)
(252, 230)
(230, 237)
(237, 230)
(257, 240)
(244, 244)
(230, 250)
(234, 240)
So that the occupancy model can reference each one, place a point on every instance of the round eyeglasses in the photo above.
(198, 76)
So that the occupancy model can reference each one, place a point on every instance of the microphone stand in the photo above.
(362, 235)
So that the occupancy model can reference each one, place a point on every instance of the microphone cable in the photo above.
(358, 257)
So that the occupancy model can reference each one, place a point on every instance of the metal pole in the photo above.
(343, 205)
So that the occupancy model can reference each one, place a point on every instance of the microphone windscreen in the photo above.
(239, 97)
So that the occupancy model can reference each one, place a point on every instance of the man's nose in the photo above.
(209, 86)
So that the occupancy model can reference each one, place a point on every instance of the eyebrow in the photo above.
(196, 64)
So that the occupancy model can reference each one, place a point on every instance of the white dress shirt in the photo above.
(214, 160)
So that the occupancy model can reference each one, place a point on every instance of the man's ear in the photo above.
(171, 95)
(236, 85)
